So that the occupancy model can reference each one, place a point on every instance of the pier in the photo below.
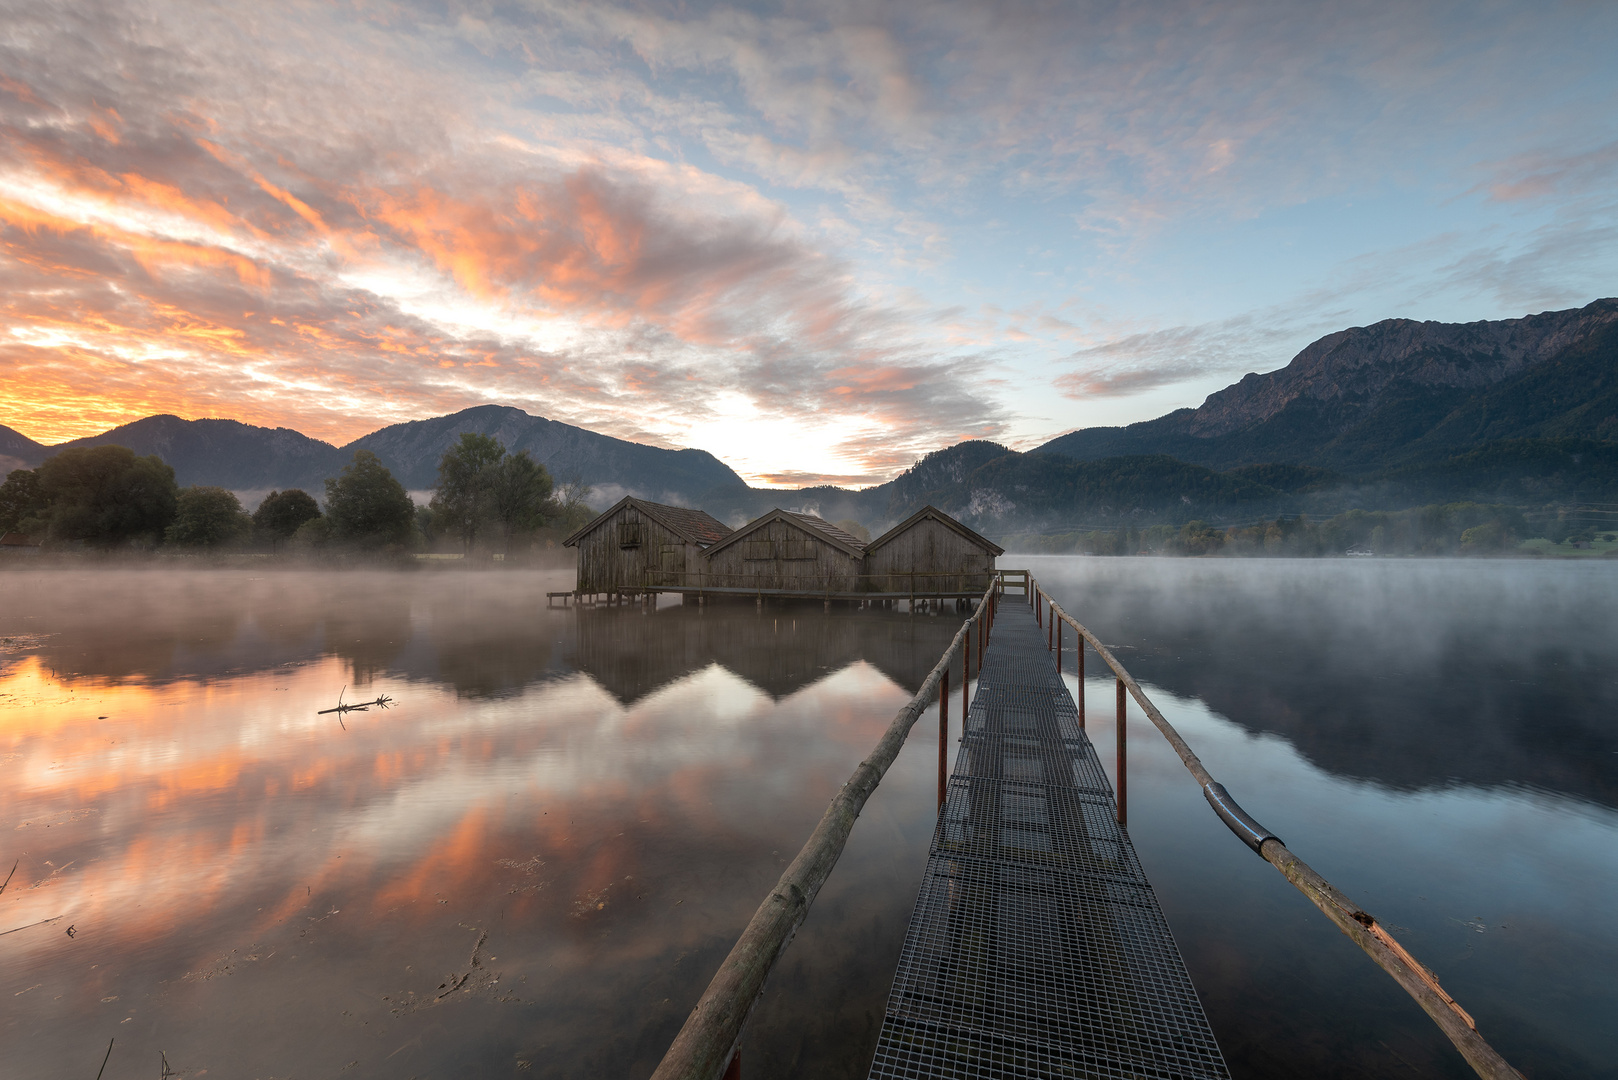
(1037, 947)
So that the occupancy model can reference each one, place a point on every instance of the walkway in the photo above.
(1037, 948)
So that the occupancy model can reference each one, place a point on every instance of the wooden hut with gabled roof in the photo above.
(786, 551)
(929, 553)
(638, 545)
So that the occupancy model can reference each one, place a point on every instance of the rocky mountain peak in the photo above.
(1360, 362)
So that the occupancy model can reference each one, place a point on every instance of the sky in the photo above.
(818, 240)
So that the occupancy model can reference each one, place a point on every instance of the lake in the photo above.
(532, 862)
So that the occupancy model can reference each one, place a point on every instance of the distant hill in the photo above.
(412, 452)
(18, 451)
(225, 453)
(1396, 394)
(247, 458)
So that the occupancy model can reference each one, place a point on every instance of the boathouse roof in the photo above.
(943, 519)
(816, 526)
(692, 526)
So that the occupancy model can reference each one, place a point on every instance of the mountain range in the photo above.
(1387, 416)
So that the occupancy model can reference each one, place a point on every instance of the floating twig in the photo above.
(104, 1060)
(382, 702)
(8, 876)
(41, 922)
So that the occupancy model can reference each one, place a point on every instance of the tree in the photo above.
(521, 494)
(23, 503)
(106, 496)
(281, 512)
(854, 529)
(207, 517)
(463, 499)
(366, 506)
(571, 510)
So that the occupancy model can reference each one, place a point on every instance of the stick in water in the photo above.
(104, 1060)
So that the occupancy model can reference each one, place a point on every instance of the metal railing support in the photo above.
(943, 738)
(1123, 753)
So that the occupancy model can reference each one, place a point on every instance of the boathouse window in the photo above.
(669, 557)
(758, 549)
(797, 549)
(629, 534)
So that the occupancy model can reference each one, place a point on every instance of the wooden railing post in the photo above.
(1059, 648)
(1123, 754)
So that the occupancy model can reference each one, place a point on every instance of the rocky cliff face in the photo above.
(1359, 364)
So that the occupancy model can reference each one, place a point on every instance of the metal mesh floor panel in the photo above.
(1036, 948)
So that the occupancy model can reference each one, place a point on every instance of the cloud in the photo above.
(182, 253)
(687, 223)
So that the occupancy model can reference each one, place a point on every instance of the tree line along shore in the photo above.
(107, 499)
(1439, 529)
(489, 501)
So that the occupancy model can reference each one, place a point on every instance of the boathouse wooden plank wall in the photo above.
(929, 552)
(638, 544)
(783, 550)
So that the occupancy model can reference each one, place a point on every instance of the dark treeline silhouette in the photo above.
(1460, 528)
(105, 498)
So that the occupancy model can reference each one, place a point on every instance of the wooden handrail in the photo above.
(711, 1034)
(1359, 925)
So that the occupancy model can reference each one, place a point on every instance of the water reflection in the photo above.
(1411, 673)
(780, 650)
(1437, 738)
(531, 865)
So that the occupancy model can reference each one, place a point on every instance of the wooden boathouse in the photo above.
(639, 548)
(784, 551)
(930, 553)
(636, 542)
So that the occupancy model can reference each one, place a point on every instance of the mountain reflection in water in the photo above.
(1410, 673)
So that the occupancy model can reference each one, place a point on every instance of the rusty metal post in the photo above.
(943, 738)
(1058, 648)
(966, 674)
(1080, 653)
(1039, 612)
(1050, 627)
(1123, 754)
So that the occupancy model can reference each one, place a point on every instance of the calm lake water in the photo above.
(533, 862)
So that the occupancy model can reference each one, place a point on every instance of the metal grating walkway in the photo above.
(1036, 947)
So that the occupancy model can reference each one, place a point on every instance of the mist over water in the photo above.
(533, 863)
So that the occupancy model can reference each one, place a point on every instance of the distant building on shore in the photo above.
(15, 543)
